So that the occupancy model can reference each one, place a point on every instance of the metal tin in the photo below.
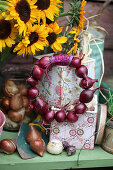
(107, 142)
(97, 47)
(101, 120)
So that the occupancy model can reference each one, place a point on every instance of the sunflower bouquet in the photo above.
(28, 26)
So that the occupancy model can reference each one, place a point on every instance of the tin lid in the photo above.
(101, 121)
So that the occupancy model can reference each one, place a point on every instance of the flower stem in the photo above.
(90, 138)
(65, 14)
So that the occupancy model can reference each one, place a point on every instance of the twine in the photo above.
(91, 38)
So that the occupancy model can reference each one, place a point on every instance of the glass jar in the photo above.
(14, 101)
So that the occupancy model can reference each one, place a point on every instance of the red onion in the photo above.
(87, 95)
(38, 73)
(43, 62)
(88, 83)
(49, 116)
(80, 108)
(71, 150)
(65, 145)
(71, 117)
(60, 116)
(40, 105)
(81, 71)
(31, 81)
(33, 92)
(76, 62)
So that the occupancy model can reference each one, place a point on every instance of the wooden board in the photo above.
(88, 159)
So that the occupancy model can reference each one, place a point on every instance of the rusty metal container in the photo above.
(107, 142)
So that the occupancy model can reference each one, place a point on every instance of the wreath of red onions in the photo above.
(40, 105)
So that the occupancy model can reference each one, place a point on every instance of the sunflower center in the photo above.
(33, 38)
(23, 9)
(51, 38)
(43, 4)
(5, 29)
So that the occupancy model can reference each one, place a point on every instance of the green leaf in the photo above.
(67, 80)
(5, 53)
(48, 92)
(59, 74)
(5, 3)
(59, 82)
(42, 84)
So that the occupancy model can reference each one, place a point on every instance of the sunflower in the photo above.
(35, 40)
(7, 33)
(23, 11)
(54, 41)
(76, 40)
(76, 14)
(47, 8)
(82, 18)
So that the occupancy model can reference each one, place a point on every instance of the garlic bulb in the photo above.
(55, 147)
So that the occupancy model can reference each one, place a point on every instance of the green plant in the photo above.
(110, 103)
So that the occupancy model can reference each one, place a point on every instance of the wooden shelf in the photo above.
(88, 159)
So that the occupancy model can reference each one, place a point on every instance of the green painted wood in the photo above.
(88, 159)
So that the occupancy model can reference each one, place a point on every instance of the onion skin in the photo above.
(65, 145)
(38, 73)
(16, 116)
(55, 147)
(38, 146)
(76, 62)
(60, 116)
(80, 108)
(88, 83)
(81, 72)
(71, 117)
(33, 92)
(40, 105)
(22, 89)
(28, 111)
(25, 101)
(33, 135)
(87, 95)
(8, 146)
(71, 150)
(31, 81)
(49, 116)
(10, 88)
(43, 62)
(6, 103)
(16, 102)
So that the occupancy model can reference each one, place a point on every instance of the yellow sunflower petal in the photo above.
(33, 49)
(75, 48)
(1, 46)
(61, 40)
(48, 15)
(57, 46)
(39, 46)
(54, 49)
(69, 52)
(21, 21)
